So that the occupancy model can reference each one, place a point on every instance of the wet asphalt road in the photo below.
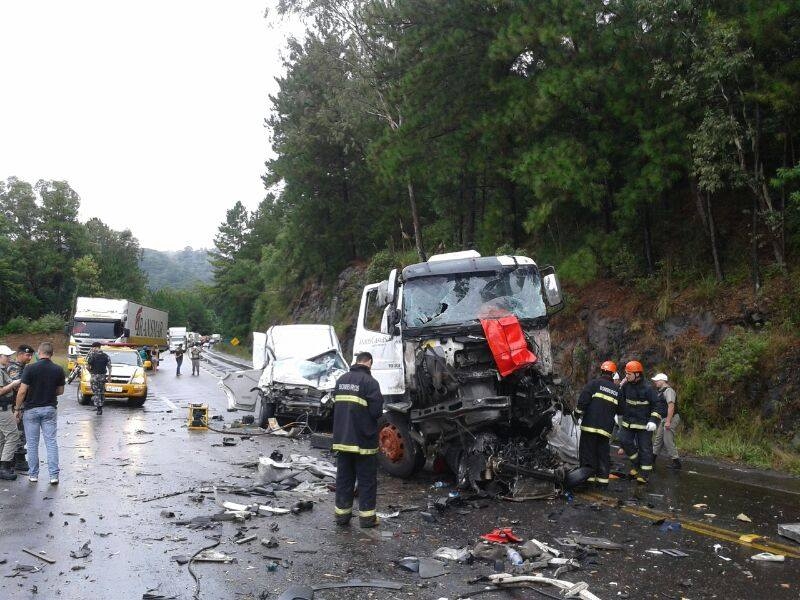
(111, 465)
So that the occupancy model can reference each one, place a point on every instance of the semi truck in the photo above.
(177, 337)
(461, 350)
(113, 321)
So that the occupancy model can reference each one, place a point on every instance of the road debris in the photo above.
(245, 540)
(502, 535)
(272, 542)
(39, 555)
(768, 557)
(568, 589)
(743, 517)
(83, 552)
(19, 569)
(455, 554)
(790, 530)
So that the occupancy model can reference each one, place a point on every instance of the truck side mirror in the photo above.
(391, 288)
(551, 289)
(389, 320)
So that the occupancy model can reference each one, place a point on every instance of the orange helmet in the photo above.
(634, 366)
(609, 366)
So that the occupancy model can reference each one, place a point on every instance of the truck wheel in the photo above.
(398, 454)
(266, 410)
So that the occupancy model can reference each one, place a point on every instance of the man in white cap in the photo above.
(9, 434)
(665, 434)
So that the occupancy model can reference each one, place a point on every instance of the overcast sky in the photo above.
(152, 110)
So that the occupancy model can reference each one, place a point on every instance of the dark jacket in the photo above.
(358, 404)
(597, 405)
(638, 404)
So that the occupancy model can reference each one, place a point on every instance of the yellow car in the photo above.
(127, 379)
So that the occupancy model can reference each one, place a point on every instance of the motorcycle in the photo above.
(76, 372)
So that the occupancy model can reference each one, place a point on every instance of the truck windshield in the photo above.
(442, 300)
(95, 329)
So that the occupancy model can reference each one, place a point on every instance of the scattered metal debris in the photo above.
(83, 552)
(40, 555)
(790, 530)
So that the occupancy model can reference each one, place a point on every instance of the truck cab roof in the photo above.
(463, 262)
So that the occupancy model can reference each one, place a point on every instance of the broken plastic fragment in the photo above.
(768, 557)
(457, 554)
(743, 517)
(82, 553)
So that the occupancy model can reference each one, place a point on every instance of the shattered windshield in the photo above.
(442, 300)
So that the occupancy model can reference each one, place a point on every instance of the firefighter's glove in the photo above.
(651, 426)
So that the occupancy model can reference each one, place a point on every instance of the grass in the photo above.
(741, 442)
(242, 350)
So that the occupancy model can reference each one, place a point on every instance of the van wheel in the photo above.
(398, 454)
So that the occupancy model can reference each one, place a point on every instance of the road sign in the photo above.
(235, 342)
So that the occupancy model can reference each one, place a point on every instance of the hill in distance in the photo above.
(176, 270)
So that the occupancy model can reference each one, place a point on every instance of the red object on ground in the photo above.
(501, 536)
(508, 344)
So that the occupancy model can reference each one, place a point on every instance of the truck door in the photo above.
(386, 349)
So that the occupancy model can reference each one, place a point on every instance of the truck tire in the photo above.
(398, 454)
(266, 410)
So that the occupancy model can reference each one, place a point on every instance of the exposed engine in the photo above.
(491, 430)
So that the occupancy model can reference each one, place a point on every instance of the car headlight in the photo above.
(138, 378)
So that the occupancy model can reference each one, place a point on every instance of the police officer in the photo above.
(9, 434)
(24, 356)
(597, 406)
(640, 410)
(99, 365)
(358, 405)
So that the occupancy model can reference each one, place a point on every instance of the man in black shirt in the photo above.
(99, 365)
(42, 383)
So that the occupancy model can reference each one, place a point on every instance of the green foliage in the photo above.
(579, 268)
(48, 258)
(738, 356)
(49, 323)
(178, 270)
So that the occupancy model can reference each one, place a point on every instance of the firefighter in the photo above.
(358, 405)
(639, 411)
(597, 406)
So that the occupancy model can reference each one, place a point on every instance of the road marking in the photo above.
(168, 402)
(695, 526)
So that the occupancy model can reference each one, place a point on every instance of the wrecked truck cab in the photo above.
(462, 352)
(295, 372)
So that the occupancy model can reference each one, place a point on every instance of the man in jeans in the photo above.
(42, 383)
(9, 435)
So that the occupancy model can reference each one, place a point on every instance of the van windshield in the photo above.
(442, 300)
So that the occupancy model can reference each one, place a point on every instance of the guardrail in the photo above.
(239, 363)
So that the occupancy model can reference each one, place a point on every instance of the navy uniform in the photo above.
(597, 406)
(358, 404)
(640, 410)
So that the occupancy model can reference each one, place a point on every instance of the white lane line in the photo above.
(169, 403)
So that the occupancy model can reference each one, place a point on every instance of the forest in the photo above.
(613, 138)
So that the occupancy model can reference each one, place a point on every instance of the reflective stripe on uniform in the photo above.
(655, 414)
(634, 456)
(592, 479)
(354, 449)
(638, 402)
(633, 425)
(647, 467)
(595, 430)
(343, 511)
(601, 479)
(605, 397)
(349, 398)
(366, 513)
